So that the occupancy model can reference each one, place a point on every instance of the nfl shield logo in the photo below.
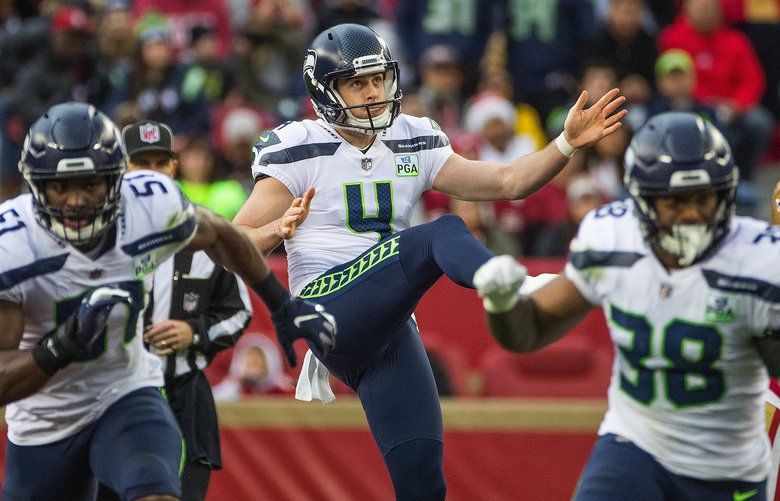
(150, 133)
(366, 164)
(190, 303)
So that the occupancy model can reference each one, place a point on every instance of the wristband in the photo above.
(46, 360)
(564, 147)
(271, 292)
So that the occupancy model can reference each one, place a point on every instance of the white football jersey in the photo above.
(687, 382)
(360, 197)
(48, 277)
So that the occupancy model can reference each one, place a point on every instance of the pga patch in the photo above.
(144, 264)
(720, 309)
(407, 165)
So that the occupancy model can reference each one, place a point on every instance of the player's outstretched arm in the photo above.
(264, 214)
(293, 318)
(540, 318)
(478, 180)
(776, 204)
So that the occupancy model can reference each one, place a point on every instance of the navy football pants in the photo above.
(618, 469)
(135, 448)
(379, 353)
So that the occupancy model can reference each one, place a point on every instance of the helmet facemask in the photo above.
(688, 243)
(342, 116)
(370, 125)
(100, 216)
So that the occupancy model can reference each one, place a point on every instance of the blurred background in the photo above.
(499, 77)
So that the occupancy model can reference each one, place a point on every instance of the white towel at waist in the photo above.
(313, 382)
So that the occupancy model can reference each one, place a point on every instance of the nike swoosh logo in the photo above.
(265, 137)
(742, 496)
(304, 318)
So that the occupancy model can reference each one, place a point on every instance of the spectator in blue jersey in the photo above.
(465, 26)
(545, 48)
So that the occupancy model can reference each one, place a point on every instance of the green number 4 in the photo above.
(357, 219)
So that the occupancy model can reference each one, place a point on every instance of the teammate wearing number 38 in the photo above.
(692, 298)
(82, 392)
(350, 245)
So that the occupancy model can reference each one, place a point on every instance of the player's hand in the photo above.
(299, 319)
(94, 310)
(73, 338)
(169, 336)
(584, 128)
(498, 283)
(776, 204)
(295, 215)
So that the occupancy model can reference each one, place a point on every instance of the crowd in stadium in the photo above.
(496, 77)
(550, 95)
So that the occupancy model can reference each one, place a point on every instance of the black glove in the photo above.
(299, 319)
(71, 339)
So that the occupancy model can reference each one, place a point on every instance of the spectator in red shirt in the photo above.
(729, 77)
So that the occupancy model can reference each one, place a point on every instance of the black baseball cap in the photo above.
(148, 135)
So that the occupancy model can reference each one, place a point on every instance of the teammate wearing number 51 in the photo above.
(349, 245)
(82, 393)
(692, 298)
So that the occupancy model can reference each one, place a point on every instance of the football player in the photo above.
(82, 393)
(348, 246)
(694, 315)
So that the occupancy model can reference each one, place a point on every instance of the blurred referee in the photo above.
(197, 309)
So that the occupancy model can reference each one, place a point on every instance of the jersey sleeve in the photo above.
(161, 220)
(582, 279)
(435, 147)
(762, 252)
(19, 260)
(596, 252)
(438, 155)
(274, 152)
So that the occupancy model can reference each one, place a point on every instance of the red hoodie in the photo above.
(726, 64)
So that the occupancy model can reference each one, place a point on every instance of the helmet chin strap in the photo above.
(368, 126)
(686, 242)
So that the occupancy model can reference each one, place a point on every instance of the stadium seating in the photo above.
(573, 367)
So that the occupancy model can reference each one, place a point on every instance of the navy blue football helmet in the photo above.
(349, 50)
(676, 153)
(74, 140)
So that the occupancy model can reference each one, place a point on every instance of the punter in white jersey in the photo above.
(693, 314)
(82, 393)
(350, 245)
